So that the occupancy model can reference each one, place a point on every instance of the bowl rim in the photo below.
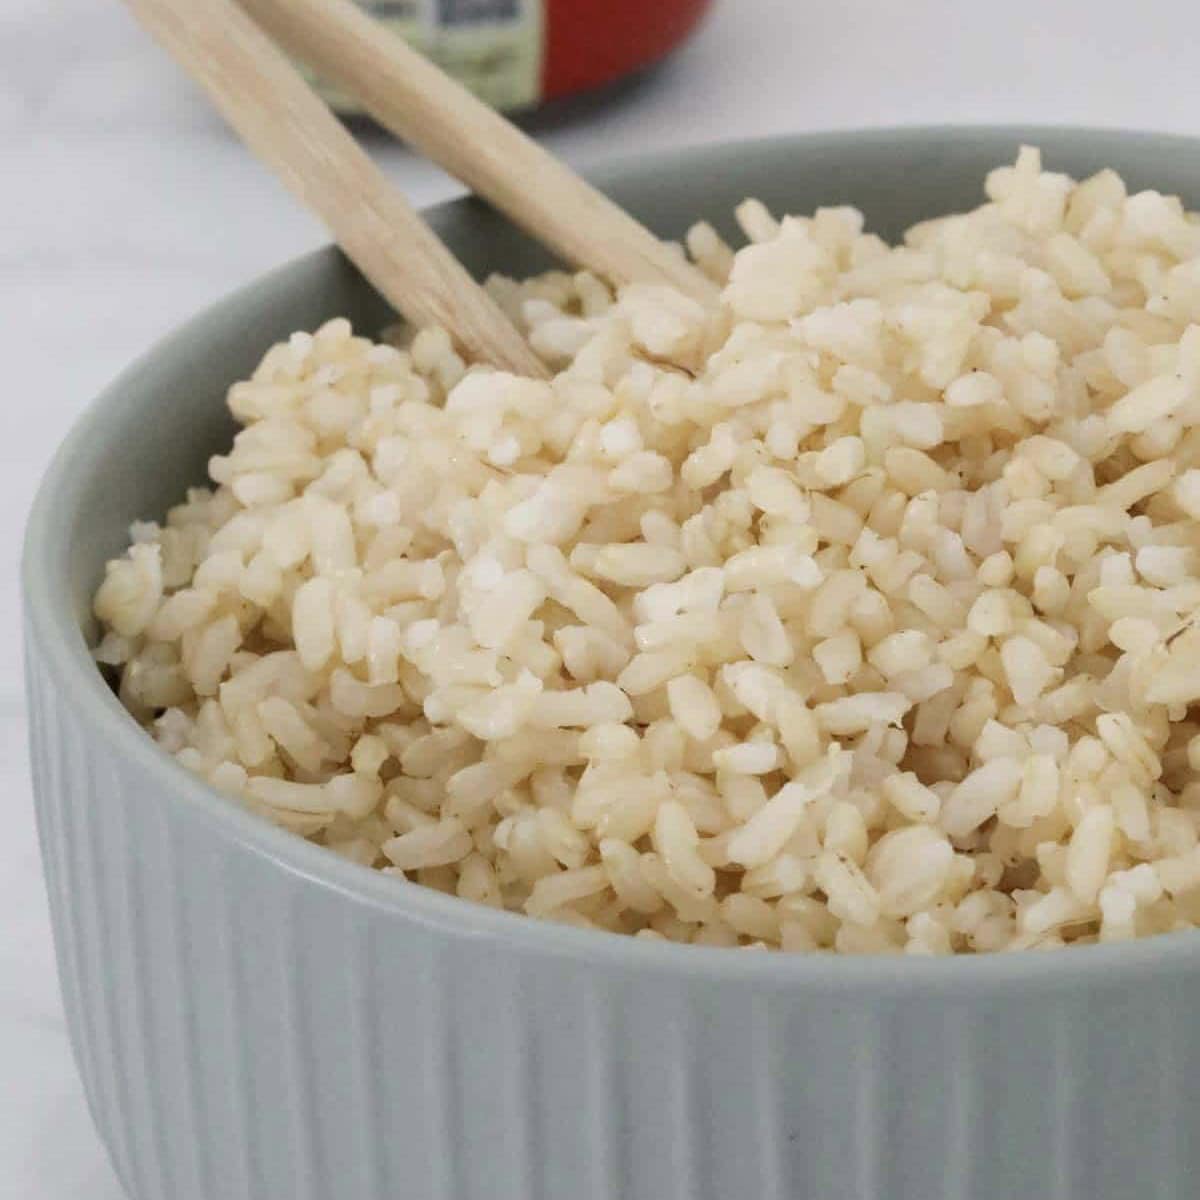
(62, 653)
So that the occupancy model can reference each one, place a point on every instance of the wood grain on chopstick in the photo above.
(263, 96)
(428, 109)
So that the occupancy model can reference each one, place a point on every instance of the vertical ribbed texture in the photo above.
(684, 1143)
(364, 1032)
(962, 1110)
(296, 1064)
(599, 1093)
(140, 1042)
(245, 1034)
(90, 914)
(869, 1089)
(42, 727)
(1170, 1104)
(438, 1084)
(1181, 1045)
(765, 1102)
(229, 997)
(180, 1012)
(1064, 1151)
(524, 1110)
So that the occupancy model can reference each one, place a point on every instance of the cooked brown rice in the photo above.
(858, 615)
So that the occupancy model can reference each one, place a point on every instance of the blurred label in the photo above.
(470, 12)
(493, 47)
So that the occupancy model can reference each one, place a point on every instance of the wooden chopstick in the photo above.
(441, 119)
(282, 120)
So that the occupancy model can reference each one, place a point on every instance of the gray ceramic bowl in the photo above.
(254, 1017)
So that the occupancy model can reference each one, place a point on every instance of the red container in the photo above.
(515, 54)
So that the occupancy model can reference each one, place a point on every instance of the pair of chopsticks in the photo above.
(228, 49)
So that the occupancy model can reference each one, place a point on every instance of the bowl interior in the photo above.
(149, 436)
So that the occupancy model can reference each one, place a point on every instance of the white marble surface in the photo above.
(124, 206)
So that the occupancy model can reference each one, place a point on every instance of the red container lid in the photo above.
(593, 42)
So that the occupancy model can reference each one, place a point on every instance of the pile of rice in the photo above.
(858, 615)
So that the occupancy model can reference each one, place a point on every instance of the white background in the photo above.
(125, 206)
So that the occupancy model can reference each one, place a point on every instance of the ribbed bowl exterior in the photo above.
(250, 1025)
(244, 1033)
